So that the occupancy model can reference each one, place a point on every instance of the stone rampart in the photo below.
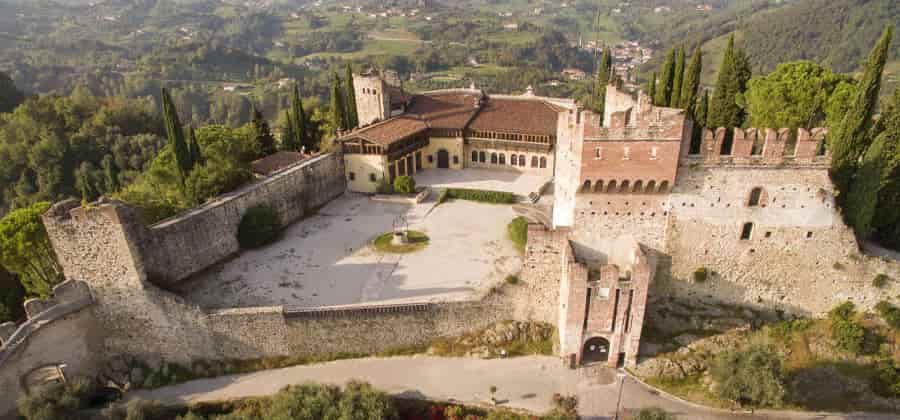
(178, 247)
(762, 147)
(60, 332)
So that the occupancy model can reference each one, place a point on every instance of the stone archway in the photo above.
(443, 159)
(595, 350)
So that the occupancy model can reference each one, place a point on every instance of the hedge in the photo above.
(258, 227)
(484, 196)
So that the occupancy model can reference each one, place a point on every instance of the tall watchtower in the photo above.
(373, 98)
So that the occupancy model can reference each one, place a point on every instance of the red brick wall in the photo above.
(638, 167)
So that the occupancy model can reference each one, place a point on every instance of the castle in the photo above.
(636, 211)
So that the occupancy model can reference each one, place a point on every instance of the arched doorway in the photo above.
(595, 350)
(443, 159)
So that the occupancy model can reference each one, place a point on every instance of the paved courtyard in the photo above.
(326, 259)
(482, 179)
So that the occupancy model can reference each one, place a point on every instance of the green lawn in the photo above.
(417, 241)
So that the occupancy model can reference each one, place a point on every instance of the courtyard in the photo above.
(327, 260)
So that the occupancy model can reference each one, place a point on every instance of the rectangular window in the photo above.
(352, 176)
(626, 153)
(653, 151)
(598, 153)
(373, 178)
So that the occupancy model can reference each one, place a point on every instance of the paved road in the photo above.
(524, 382)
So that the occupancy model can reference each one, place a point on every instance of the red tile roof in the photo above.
(389, 131)
(446, 110)
(530, 116)
(276, 162)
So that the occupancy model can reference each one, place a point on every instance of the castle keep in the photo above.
(635, 210)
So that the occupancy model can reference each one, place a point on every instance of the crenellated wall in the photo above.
(762, 147)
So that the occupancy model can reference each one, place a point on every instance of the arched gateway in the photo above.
(595, 350)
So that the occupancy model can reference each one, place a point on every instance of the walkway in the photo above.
(481, 179)
(524, 382)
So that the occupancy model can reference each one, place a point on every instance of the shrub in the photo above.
(750, 376)
(846, 331)
(512, 279)
(138, 409)
(565, 405)
(518, 232)
(404, 185)
(442, 197)
(57, 401)
(887, 382)
(889, 313)
(880, 280)
(652, 413)
(701, 274)
(258, 227)
(484, 196)
(384, 187)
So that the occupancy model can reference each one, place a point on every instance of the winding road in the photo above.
(524, 383)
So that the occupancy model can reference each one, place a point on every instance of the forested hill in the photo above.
(835, 33)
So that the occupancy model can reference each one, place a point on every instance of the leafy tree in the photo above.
(175, 134)
(338, 110)
(352, 116)
(723, 108)
(675, 101)
(794, 95)
(110, 174)
(688, 97)
(666, 81)
(838, 104)
(26, 251)
(849, 139)
(846, 331)
(12, 296)
(262, 135)
(85, 182)
(57, 401)
(751, 376)
(10, 96)
(360, 401)
(652, 413)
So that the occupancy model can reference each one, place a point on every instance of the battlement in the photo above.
(761, 147)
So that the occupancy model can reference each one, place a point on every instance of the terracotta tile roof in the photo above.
(397, 95)
(531, 116)
(446, 110)
(389, 131)
(276, 162)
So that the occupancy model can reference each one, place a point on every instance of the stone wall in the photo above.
(60, 332)
(174, 249)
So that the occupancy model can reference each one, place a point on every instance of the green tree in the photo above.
(752, 376)
(702, 110)
(675, 101)
(872, 196)
(688, 97)
(10, 96)
(262, 135)
(338, 110)
(298, 123)
(850, 139)
(194, 148)
(666, 81)
(652, 413)
(175, 135)
(360, 401)
(110, 174)
(723, 108)
(85, 182)
(57, 401)
(846, 331)
(288, 134)
(794, 95)
(12, 296)
(651, 88)
(604, 71)
(26, 251)
(352, 116)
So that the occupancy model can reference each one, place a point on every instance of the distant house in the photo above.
(511, 26)
(574, 74)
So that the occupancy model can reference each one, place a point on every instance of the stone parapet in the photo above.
(754, 147)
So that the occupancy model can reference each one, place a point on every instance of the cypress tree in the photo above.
(723, 109)
(85, 182)
(338, 114)
(288, 134)
(604, 73)
(352, 115)
(666, 80)
(850, 137)
(110, 174)
(691, 82)
(702, 111)
(651, 88)
(194, 147)
(675, 101)
(175, 135)
(262, 135)
(298, 122)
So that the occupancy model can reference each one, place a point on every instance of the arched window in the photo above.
(502, 159)
(543, 162)
(746, 231)
(624, 187)
(638, 186)
(664, 186)
(611, 187)
(521, 160)
(474, 156)
(494, 158)
(755, 195)
(651, 187)
(586, 187)
(598, 186)
(512, 160)
(481, 157)
(534, 161)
